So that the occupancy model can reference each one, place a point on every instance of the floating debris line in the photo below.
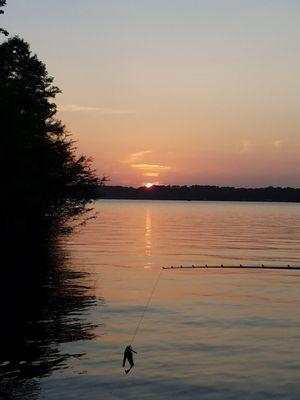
(240, 266)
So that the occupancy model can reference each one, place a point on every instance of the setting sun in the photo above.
(148, 185)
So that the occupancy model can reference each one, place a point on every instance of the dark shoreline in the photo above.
(202, 193)
(204, 201)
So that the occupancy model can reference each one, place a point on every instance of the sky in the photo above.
(174, 91)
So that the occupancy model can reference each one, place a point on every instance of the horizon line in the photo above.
(204, 185)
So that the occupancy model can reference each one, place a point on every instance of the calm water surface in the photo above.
(208, 334)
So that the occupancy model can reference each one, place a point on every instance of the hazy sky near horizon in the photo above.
(174, 91)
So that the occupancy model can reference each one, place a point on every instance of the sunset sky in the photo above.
(174, 91)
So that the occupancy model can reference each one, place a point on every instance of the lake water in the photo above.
(208, 334)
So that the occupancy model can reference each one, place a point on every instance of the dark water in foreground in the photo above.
(212, 334)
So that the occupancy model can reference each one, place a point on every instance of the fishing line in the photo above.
(147, 306)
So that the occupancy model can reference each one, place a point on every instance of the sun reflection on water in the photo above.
(148, 238)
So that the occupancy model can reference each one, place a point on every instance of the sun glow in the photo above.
(148, 185)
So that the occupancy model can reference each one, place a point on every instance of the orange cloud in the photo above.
(149, 170)
(134, 157)
(278, 143)
(246, 147)
(155, 167)
(151, 174)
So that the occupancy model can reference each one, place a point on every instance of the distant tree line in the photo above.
(199, 192)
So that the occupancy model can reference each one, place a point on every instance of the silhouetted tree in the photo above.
(43, 181)
(2, 4)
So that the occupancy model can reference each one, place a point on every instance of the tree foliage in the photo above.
(43, 177)
(2, 4)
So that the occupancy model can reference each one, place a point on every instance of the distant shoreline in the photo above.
(203, 201)
(201, 193)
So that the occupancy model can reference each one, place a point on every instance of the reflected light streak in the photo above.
(148, 236)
